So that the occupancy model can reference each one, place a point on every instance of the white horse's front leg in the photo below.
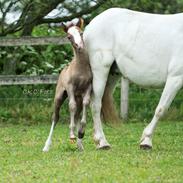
(172, 86)
(100, 75)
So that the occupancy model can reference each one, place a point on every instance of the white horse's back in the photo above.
(143, 45)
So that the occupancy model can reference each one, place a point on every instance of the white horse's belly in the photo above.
(144, 57)
(141, 72)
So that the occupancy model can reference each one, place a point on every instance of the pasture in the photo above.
(25, 110)
(24, 129)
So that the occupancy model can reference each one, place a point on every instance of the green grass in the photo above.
(25, 124)
(22, 159)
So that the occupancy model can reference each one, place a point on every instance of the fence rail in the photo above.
(50, 79)
(27, 80)
(33, 41)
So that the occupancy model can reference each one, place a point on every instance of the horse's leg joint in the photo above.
(72, 106)
(160, 111)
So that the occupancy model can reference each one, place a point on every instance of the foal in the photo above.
(75, 83)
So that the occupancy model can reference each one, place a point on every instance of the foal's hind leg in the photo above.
(59, 99)
(81, 131)
(173, 84)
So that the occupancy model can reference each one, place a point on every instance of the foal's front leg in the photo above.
(81, 131)
(72, 108)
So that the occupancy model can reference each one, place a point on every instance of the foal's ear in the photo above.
(80, 23)
(65, 28)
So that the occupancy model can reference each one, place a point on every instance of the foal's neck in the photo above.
(81, 56)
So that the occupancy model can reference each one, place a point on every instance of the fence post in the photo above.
(124, 98)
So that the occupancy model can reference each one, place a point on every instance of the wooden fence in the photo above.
(50, 79)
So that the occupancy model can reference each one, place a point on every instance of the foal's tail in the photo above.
(108, 111)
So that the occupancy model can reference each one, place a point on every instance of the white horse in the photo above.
(148, 50)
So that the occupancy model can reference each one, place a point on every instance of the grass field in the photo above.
(25, 124)
(22, 159)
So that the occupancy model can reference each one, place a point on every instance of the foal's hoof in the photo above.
(72, 140)
(45, 149)
(80, 146)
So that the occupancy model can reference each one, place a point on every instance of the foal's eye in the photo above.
(81, 33)
(69, 37)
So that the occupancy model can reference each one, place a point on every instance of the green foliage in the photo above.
(37, 60)
(143, 102)
(29, 104)
(151, 6)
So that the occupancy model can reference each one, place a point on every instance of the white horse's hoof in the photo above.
(101, 142)
(146, 143)
(103, 145)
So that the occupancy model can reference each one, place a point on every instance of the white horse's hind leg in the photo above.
(100, 63)
(173, 84)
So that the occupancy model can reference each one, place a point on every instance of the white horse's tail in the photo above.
(108, 111)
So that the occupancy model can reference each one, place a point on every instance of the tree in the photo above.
(31, 13)
(151, 6)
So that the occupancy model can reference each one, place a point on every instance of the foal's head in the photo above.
(74, 34)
